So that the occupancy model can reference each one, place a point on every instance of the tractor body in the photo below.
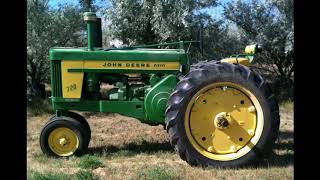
(142, 80)
(142, 77)
(216, 113)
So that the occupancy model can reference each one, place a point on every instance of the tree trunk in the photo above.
(35, 90)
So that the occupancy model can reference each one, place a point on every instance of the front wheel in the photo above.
(62, 137)
(82, 121)
(222, 115)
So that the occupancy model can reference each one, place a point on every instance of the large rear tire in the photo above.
(222, 115)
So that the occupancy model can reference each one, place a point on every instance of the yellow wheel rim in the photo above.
(223, 121)
(63, 141)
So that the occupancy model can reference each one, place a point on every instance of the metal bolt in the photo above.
(252, 109)
(233, 149)
(210, 149)
(251, 132)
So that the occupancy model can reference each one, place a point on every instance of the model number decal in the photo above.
(71, 87)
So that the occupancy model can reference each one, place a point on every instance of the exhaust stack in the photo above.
(90, 18)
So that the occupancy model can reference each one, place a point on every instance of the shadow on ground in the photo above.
(133, 149)
(284, 148)
(282, 158)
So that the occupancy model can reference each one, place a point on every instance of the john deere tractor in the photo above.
(217, 113)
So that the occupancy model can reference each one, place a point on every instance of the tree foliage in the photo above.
(48, 28)
(152, 21)
(87, 5)
(269, 23)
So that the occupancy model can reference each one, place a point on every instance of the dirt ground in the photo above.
(129, 149)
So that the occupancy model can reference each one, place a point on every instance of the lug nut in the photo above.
(210, 149)
(251, 132)
(233, 149)
(252, 109)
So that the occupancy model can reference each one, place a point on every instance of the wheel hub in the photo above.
(63, 141)
(221, 121)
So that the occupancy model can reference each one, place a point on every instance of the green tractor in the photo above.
(216, 113)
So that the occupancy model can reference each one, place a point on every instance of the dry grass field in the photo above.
(123, 148)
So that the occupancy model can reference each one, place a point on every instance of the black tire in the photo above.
(67, 122)
(212, 72)
(83, 122)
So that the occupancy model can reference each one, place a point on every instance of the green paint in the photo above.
(55, 68)
(156, 99)
(128, 108)
(90, 34)
(117, 55)
(90, 18)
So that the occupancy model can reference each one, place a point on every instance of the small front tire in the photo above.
(62, 137)
(82, 120)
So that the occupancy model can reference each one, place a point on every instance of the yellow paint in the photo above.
(228, 143)
(250, 49)
(63, 141)
(71, 81)
(132, 65)
(243, 61)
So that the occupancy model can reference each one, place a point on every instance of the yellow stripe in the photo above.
(135, 65)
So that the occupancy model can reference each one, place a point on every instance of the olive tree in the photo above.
(153, 21)
(48, 28)
(269, 23)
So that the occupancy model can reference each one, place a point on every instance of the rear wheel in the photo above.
(63, 136)
(222, 115)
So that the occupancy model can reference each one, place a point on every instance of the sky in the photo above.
(54, 3)
(215, 12)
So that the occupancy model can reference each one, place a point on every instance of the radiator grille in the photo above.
(56, 78)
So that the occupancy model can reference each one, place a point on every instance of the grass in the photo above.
(157, 173)
(41, 158)
(124, 148)
(89, 162)
(80, 175)
(287, 106)
(34, 175)
(84, 175)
